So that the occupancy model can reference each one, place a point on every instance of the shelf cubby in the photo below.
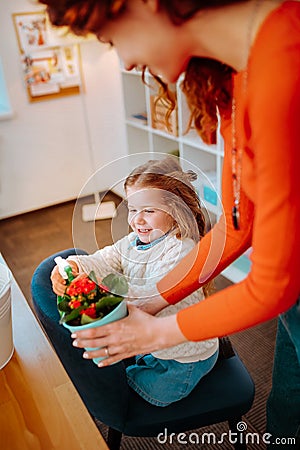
(148, 139)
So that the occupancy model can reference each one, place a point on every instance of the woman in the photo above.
(241, 58)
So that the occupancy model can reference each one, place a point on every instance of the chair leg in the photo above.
(240, 444)
(114, 439)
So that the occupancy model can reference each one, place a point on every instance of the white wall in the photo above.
(44, 148)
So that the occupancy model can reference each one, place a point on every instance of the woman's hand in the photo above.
(138, 333)
(58, 282)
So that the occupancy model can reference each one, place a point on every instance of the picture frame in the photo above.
(49, 70)
(31, 30)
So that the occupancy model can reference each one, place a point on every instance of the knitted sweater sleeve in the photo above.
(102, 262)
(145, 271)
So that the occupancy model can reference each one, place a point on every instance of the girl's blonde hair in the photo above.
(178, 194)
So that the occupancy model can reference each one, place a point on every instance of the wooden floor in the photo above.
(27, 239)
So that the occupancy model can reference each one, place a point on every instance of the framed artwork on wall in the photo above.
(49, 70)
(31, 30)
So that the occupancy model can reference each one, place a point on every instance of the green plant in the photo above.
(85, 300)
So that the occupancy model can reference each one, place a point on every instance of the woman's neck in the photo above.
(227, 33)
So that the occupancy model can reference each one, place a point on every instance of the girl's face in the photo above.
(147, 213)
(145, 36)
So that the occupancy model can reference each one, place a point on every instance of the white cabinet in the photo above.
(142, 137)
(145, 140)
(50, 150)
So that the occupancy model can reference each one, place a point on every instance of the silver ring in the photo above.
(106, 352)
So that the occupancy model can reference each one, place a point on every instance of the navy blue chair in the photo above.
(224, 395)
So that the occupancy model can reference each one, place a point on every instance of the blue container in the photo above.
(116, 314)
(210, 195)
(242, 263)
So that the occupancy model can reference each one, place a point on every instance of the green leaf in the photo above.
(105, 302)
(87, 319)
(93, 277)
(117, 284)
(63, 306)
(71, 316)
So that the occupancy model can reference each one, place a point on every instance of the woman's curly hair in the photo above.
(207, 83)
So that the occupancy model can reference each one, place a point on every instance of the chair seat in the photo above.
(226, 393)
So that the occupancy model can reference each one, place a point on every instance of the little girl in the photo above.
(165, 216)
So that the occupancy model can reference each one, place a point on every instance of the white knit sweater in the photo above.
(143, 269)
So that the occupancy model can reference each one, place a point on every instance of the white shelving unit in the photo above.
(145, 142)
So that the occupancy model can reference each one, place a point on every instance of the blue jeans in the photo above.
(176, 380)
(283, 406)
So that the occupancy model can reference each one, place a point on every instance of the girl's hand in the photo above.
(138, 333)
(150, 305)
(58, 282)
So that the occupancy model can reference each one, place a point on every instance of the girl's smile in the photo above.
(147, 213)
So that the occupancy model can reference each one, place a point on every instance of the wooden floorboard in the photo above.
(26, 239)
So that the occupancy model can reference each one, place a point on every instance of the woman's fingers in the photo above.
(138, 333)
(110, 355)
(121, 337)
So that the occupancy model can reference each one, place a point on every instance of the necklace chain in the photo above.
(237, 150)
(236, 155)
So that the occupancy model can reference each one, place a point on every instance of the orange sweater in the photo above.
(268, 128)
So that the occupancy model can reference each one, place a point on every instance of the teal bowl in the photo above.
(116, 314)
